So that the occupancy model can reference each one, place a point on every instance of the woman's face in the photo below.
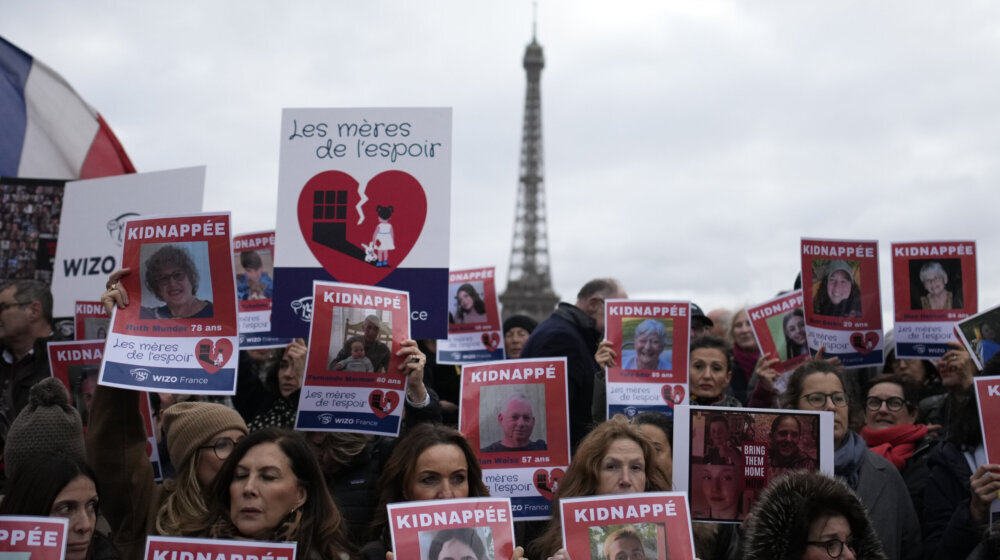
(514, 340)
(883, 418)
(465, 300)
(263, 491)
(457, 550)
(838, 286)
(827, 528)
(622, 470)
(664, 452)
(174, 286)
(647, 350)
(934, 284)
(709, 373)
(912, 369)
(743, 333)
(210, 460)
(721, 487)
(826, 383)
(795, 330)
(718, 432)
(77, 502)
(441, 472)
(289, 380)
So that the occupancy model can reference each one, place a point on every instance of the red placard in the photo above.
(35, 538)
(988, 398)
(467, 528)
(658, 523)
(779, 325)
(176, 548)
(90, 320)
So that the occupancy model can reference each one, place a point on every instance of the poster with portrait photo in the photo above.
(651, 339)
(77, 364)
(479, 528)
(253, 261)
(980, 333)
(179, 332)
(158, 548)
(475, 332)
(90, 321)
(515, 414)
(725, 457)
(934, 286)
(988, 398)
(49, 542)
(779, 326)
(352, 381)
(842, 301)
(650, 525)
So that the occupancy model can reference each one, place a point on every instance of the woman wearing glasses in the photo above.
(819, 385)
(171, 276)
(810, 516)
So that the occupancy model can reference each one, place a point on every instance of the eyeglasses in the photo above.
(178, 276)
(7, 305)
(222, 447)
(817, 400)
(834, 547)
(894, 404)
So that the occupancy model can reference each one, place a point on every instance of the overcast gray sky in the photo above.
(688, 144)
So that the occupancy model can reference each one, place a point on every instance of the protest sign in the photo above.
(178, 334)
(980, 333)
(779, 325)
(651, 340)
(479, 528)
(181, 548)
(646, 525)
(90, 321)
(352, 380)
(364, 198)
(30, 225)
(253, 261)
(475, 332)
(934, 285)
(90, 242)
(725, 457)
(33, 538)
(988, 399)
(841, 300)
(515, 413)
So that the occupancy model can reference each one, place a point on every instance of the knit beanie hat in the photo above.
(523, 321)
(189, 425)
(47, 425)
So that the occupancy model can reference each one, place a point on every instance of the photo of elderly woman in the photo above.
(650, 345)
(936, 284)
(170, 274)
(468, 306)
(837, 293)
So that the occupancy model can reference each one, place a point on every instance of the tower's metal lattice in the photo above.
(529, 281)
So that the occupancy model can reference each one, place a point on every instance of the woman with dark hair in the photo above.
(794, 326)
(819, 385)
(838, 294)
(615, 458)
(171, 276)
(659, 428)
(58, 486)
(810, 516)
(710, 371)
(469, 307)
(457, 544)
(271, 488)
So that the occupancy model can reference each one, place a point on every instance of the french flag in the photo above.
(46, 129)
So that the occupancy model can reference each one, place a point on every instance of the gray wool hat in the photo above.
(47, 425)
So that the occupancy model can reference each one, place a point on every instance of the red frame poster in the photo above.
(253, 263)
(35, 538)
(360, 397)
(483, 526)
(948, 268)
(632, 387)
(988, 399)
(147, 351)
(842, 301)
(90, 321)
(659, 522)
(725, 457)
(779, 325)
(518, 401)
(191, 548)
(475, 332)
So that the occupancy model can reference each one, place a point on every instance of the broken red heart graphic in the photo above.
(864, 343)
(673, 394)
(211, 357)
(361, 246)
(491, 340)
(383, 403)
(547, 482)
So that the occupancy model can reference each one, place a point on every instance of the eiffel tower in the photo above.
(529, 282)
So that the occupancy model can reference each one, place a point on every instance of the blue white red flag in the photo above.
(48, 130)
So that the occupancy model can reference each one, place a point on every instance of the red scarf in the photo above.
(746, 361)
(896, 443)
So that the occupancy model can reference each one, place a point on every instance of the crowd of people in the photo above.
(911, 479)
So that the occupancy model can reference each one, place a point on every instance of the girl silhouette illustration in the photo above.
(382, 239)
